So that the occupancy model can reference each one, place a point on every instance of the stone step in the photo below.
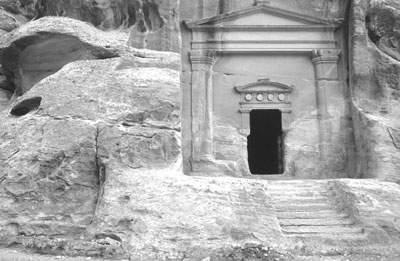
(316, 222)
(322, 230)
(298, 182)
(329, 236)
(301, 199)
(322, 214)
(303, 207)
(295, 188)
(297, 192)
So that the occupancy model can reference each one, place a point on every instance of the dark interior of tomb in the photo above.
(264, 144)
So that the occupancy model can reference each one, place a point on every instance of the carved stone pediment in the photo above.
(264, 86)
(263, 28)
(261, 15)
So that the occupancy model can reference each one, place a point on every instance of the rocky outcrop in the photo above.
(371, 202)
(374, 75)
(126, 109)
(41, 48)
(153, 24)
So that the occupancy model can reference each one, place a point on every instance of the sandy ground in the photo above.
(18, 255)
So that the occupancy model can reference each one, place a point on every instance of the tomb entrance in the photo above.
(264, 144)
(264, 96)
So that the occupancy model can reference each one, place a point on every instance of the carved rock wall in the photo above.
(303, 146)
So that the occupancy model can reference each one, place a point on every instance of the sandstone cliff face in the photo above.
(374, 46)
(302, 147)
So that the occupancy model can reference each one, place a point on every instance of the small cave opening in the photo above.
(26, 106)
(265, 142)
(371, 32)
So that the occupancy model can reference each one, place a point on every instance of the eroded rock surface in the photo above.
(374, 203)
(157, 25)
(51, 181)
(384, 28)
(374, 75)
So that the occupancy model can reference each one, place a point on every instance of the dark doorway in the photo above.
(264, 144)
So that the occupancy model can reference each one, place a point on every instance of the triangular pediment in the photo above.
(263, 86)
(261, 15)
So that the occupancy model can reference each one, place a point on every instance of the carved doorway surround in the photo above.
(264, 95)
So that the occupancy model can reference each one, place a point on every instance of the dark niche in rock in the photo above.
(26, 106)
(383, 28)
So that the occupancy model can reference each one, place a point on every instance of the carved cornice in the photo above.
(261, 7)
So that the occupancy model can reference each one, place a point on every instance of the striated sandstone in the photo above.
(374, 76)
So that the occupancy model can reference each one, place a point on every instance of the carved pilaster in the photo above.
(202, 105)
(325, 64)
(326, 71)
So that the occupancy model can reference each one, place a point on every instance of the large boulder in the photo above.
(51, 172)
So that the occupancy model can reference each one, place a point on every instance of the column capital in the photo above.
(202, 60)
(325, 63)
(325, 55)
(205, 56)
